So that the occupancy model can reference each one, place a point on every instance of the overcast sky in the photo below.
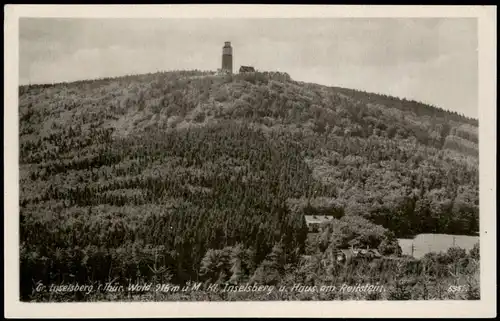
(426, 59)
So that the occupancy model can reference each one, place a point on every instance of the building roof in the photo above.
(359, 252)
(318, 219)
(247, 68)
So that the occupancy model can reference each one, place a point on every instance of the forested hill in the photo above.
(191, 161)
(406, 165)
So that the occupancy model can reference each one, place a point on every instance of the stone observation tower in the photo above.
(227, 57)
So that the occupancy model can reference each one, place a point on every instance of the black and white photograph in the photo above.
(246, 159)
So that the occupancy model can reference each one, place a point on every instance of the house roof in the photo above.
(311, 219)
(247, 68)
(356, 252)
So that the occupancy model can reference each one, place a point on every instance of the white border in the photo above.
(486, 307)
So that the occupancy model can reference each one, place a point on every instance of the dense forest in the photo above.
(188, 176)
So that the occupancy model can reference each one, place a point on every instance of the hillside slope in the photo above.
(190, 161)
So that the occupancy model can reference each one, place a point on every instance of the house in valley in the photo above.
(347, 255)
(314, 222)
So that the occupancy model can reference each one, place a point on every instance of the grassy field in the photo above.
(426, 243)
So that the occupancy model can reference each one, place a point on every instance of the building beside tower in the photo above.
(227, 58)
(247, 69)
